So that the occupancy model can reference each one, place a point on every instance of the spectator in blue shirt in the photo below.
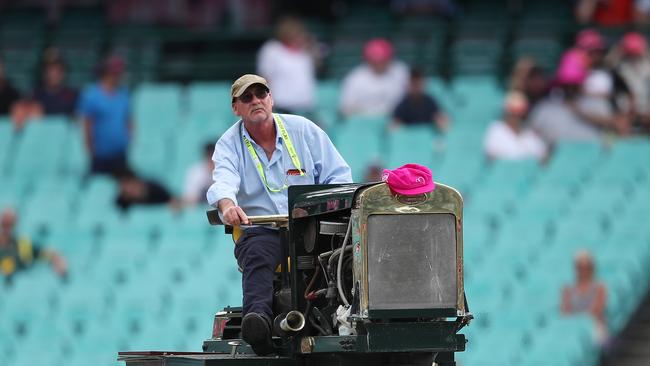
(106, 114)
(256, 160)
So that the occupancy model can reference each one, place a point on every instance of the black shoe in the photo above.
(256, 331)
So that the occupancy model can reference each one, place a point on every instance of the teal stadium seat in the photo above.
(6, 137)
(361, 153)
(45, 138)
(156, 109)
(410, 145)
(209, 105)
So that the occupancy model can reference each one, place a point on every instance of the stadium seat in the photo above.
(410, 144)
(47, 137)
(358, 155)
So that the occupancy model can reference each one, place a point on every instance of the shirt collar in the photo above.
(278, 136)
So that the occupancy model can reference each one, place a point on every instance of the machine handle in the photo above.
(265, 220)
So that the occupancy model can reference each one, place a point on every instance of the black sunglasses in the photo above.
(247, 97)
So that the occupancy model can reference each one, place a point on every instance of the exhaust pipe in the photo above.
(293, 322)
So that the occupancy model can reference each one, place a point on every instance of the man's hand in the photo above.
(235, 216)
(232, 214)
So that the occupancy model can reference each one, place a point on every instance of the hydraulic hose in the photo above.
(339, 281)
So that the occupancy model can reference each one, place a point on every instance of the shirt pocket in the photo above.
(293, 178)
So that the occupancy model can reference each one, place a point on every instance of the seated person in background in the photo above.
(8, 94)
(633, 64)
(375, 87)
(289, 64)
(555, 118)
(418, 107)
(527, 77)
(587, 295)
(509, 139)
(199, 177)
(53, 95)
(137, 191)
(373, 172)
(18, 253)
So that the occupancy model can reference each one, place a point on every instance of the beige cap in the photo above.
(241, 84)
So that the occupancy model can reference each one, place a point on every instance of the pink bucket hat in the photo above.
(378, 50)
(572, 69)
(634, 44)
(590, 39)
(409, 179)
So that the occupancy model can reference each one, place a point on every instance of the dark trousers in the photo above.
(258, 253)
(111, 165)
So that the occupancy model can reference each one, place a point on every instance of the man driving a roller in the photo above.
(256, 160)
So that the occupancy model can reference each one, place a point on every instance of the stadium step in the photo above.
(632, 345)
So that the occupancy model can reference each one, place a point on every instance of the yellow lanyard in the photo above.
(290, 149)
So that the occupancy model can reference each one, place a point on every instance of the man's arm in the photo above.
(223, 192)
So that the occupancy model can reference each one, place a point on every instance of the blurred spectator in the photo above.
(605, 12)
(199, 177)
(607, 95)
(444, 8)
(587, 295)
(642, 12)
(633, 64)
(11, 103)
(289, 64)
(528, 78)
(18, 253)
(375, 87)
(8, 94)
(509, 139)
(418, 107)
(373, 173)
(138, 191)
(556, 118)
(53, 95)
(106, 114)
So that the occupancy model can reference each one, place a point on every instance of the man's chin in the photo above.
(259, 116)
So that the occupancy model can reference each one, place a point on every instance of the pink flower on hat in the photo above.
(409, 179)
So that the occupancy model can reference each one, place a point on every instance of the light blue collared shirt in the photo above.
(236, 177)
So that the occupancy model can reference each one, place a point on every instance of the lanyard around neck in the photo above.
(290, 149)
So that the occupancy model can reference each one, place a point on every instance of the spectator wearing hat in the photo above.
(20, 252)
(105, 110)
(377, 86)
(417, 107)
(555, 118)
(509, 139)
(289, 64)
(632, 63)
(53, 95)
(606, 97)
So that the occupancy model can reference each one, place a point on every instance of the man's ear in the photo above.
(235, 110)
(271, 99)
